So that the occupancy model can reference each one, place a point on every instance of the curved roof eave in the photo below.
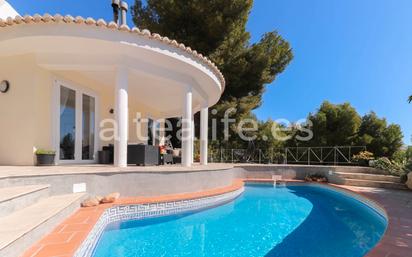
(47, 19)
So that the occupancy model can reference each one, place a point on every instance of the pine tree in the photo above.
(217, 29)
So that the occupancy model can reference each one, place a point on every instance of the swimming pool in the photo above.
(292, 220)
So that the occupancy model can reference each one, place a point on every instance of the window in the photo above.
(75, 124)
(67, 123)
(88, 122)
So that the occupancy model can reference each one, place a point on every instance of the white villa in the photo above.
(62, 76)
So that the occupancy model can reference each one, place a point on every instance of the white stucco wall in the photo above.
(17, 128)
(26, 109)
(6, 10)
(160, 72)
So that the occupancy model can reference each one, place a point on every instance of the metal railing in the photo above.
(331, 155)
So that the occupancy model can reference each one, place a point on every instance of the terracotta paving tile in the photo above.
(51, 250)
(80, 219)
(77, 227)
(395, 249)
(32, 250)
(58, 237)
(58, 228)
(78, 238)
(68, 236)
(379, 253)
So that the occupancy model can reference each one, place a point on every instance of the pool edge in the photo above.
(67, 238)
(90, 216)
(122, 212)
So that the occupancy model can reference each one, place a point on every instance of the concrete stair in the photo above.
(366, 180)
(357, 169)
(28, 212)
(351, 176)
(367, 176)
(16, 198)
(371, 183)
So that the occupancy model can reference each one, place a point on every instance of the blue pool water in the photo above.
(264, 221)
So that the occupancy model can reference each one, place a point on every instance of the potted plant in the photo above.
(45, 157)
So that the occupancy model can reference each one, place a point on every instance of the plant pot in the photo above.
(45, 159)
(104, 157)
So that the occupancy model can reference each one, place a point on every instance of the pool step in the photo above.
(22, 228)
(373, 183)
(367, 176)
(16, 198)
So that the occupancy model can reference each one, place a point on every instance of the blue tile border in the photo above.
(141, 211)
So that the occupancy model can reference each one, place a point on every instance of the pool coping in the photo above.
(67, 237)
(129, 212)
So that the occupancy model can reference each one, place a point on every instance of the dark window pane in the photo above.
(150, 132)
(67, 123)
(88, 112)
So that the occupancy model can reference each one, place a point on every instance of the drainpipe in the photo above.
(124, 7)
(116, 6)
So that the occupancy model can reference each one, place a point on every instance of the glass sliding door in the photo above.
(150, 139)
(67, 123)
(77, 125)
(88, 120)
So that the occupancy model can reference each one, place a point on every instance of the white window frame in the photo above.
(80, 91)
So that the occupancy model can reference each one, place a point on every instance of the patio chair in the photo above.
(145, 155)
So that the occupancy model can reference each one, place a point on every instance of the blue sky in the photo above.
(345, 51)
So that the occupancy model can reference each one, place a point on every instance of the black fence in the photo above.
(333, 155)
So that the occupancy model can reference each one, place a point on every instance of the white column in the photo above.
(121, 114)
(187, 127)
(204, 134)
(154, 131)
(192, 141)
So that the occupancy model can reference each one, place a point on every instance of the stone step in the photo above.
(358, 169)
(19, 197)
(19, 230)
(372, 183)
(367, 176)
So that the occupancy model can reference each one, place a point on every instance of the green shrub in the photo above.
(317, 177)
(363, 156)
(408, 166)
(44, 152)
(391, 167)
(400, 157)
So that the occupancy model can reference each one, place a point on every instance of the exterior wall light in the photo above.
(4, 86)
